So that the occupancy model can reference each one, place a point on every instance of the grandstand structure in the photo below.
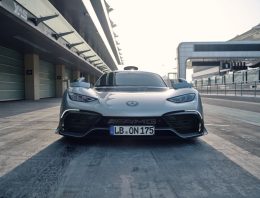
(235, 60)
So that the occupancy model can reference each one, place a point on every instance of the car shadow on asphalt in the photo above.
(130, 141)
(39, 175)
(42, 174)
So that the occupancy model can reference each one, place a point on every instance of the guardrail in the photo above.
(234, 89)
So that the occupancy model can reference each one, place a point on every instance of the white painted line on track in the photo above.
(126, 181)
(233, 101)
(249, 122)
(230, 114)
(29, 120)
(241, 157)
(219, 125)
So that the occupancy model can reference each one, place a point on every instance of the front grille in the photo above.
(184, 123)
(111, 121)
(79, 122)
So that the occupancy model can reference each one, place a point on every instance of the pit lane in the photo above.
(35, 162)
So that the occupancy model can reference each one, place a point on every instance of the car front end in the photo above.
(131, 111)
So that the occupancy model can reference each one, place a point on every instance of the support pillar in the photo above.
(91, 79)
(182, 67)
(87, 77)
(60, 76)
(32, 78)
(75, 74)
(94, 79)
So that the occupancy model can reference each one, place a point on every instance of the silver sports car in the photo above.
(130, 103)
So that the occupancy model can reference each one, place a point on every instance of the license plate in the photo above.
(132, 130)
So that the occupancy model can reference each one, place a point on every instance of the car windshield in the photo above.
(130, 79)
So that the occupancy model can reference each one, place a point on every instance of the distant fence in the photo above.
(234, 89)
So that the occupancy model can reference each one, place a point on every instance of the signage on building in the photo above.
(29, 72)
(225, 66)
(19, 11)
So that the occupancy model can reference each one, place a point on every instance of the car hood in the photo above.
(133, 103)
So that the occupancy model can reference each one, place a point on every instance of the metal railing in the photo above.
(233, 89)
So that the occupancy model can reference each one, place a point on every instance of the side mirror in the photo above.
(85, 85)
(181, 84)
(81, 84)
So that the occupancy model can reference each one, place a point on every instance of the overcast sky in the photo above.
(150, 30)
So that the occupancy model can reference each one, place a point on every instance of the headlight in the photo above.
(80, 98)
(183, 98)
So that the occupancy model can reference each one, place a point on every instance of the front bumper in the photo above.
(183, 124)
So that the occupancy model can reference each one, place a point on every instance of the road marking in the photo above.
(249, 122)
(235, 114)
(126, 186)
(241, 157)
(39, 112)
(219, 125)
(233, 101)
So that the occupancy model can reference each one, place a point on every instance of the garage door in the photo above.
(47, 79)
(11, 75)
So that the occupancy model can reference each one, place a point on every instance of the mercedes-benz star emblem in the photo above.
(132, 103)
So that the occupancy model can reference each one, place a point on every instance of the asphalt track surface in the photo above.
(35, 162)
